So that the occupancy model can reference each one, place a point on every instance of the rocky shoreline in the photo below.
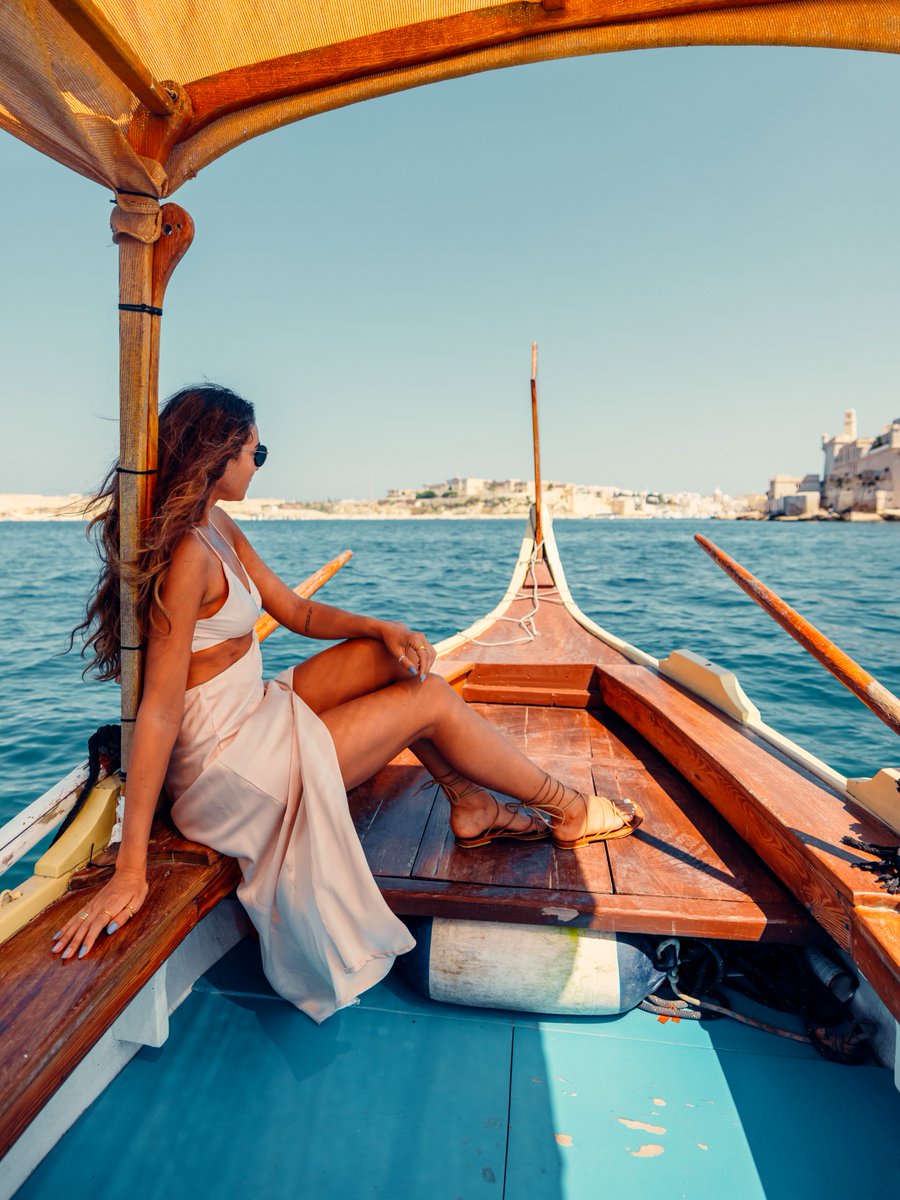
(35, 507)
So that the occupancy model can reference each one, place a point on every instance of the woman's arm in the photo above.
(155, 731)
(313, 619)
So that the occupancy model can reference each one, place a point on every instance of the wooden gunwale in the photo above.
(79, 1000)
(792, 822)
(790, 818)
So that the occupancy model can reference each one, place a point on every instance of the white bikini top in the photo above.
(238, 614)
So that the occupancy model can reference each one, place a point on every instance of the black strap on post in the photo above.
(141, 308)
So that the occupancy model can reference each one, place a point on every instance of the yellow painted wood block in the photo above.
(88, 834)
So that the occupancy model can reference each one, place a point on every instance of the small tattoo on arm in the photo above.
(308, 617)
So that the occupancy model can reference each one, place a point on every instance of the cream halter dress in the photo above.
(254, 774)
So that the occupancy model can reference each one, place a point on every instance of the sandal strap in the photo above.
(552, 791)
(456, 788)
(547, 797)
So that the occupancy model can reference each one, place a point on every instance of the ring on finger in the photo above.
(107, 913)
(84, 916)
(130, 909)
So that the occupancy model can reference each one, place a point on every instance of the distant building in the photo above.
(862, 474)
(466, 487)
(793, 495)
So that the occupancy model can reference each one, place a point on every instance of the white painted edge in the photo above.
(448, 645)
(145, 1022)
(716, 684)
(879, 796)
(554, 562)
(27, 827)
(752, 721)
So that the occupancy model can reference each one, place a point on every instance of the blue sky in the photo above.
(703, 241)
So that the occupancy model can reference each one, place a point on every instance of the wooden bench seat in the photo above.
(39, 993)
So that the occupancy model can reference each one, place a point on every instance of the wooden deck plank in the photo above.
(683, 847)
(504, 863)
(615, 743)
(561, 638)
(781, 921)
(684, 872)
(392, 838)
(560, 733)
(586, 869)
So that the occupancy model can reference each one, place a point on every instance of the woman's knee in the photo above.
(438, 695)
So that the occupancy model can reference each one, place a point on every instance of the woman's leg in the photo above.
(370, 730)
(361, 667)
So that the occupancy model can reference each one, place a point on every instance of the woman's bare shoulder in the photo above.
(228, 528)
(189, 562)
(225, 525)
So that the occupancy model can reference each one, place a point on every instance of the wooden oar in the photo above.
(873, 694)
(266, 624)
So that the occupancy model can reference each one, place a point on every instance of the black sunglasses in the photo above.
(260, 454)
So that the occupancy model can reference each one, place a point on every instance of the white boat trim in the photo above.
(33, 823)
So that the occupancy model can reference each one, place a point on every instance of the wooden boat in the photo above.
(743, 839)
(742, 842)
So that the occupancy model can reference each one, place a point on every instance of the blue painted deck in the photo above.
(404, 1099)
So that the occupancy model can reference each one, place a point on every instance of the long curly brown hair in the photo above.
(200, 430)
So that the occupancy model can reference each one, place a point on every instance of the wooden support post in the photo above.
(152, 240)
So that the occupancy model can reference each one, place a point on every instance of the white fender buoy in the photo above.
(532, 968)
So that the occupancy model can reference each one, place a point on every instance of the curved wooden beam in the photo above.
(423, 42)
(874, 695)
(94, 28)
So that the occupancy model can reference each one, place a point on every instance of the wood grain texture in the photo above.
(778, 921)
(136, 424)
(873, 694)
(561, 640)
(875, 948)
(79, 999)
(794, 823)
(684, 872)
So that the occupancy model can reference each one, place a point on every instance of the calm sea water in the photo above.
(646, 581)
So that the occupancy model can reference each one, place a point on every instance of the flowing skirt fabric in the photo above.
(254, 774)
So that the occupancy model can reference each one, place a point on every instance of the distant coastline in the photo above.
(29, 506)
(36, 507)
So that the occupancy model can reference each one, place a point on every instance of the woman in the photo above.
(259, 771)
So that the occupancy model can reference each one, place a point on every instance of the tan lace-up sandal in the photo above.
(456, 788)
(619, 817)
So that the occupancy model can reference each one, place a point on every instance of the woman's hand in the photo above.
(111, 907)
(411, 648)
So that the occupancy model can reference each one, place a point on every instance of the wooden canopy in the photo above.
(90, 82)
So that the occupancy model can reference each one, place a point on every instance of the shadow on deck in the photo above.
(684, 872)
